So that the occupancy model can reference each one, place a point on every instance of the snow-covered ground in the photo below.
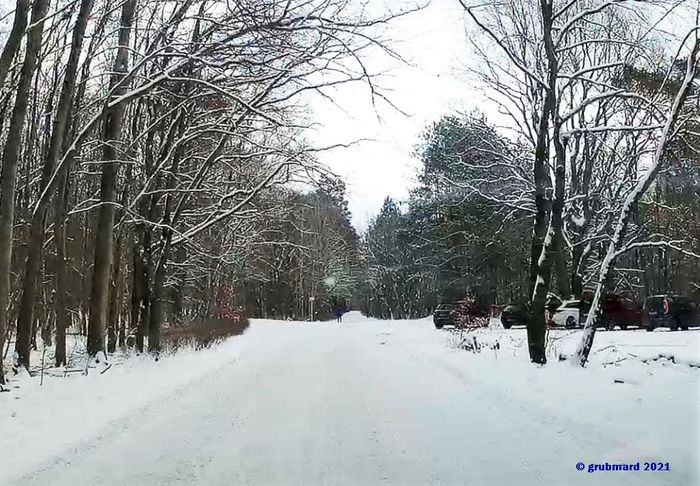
(364, 402)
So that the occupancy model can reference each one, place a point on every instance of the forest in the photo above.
(468, 230)
(156, 170)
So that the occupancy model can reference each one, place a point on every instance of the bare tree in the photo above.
(14, 39)
(58, 132)
(108, 188)
(10, 162)
(567, 57)
(669, 131)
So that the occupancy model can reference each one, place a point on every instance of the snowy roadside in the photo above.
(625, 390)
(610, 347)
(65, 410)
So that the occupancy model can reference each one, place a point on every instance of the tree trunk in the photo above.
(116, 331)
(156, 311)
(157, 306)
(559, 242)
(61, 300)
(10, 161)
(14, 39)
(542, 234)
(105, 222)
(121, 335)
(576, 269)
(536, 324)
(114, 298)
(180, 286)
(136, 298)
(36, 237)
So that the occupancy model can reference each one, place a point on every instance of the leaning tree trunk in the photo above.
(99, 295)
(10, 161)
(62, 120)
(629, 208)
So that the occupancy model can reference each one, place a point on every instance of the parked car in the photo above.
(567, 315)
(618, 310)
(514, 315)
(672, 311)
(463, 313)
(622, 310)
(442, 315)
(518, 314)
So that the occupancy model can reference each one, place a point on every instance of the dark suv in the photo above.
(442, 315)
(514, 315)
(672, 311)
(465, 313)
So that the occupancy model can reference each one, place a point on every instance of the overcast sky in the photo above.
(433, 42)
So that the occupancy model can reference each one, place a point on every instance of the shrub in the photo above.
(204, 333)
(468, 314)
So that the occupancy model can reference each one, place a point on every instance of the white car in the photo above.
(567, 315)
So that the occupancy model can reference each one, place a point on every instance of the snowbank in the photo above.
(66, 410)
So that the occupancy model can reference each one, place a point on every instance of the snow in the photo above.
(39, 422)
(364, 402)
(578, 220)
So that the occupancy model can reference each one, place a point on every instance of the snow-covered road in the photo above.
(369, 402)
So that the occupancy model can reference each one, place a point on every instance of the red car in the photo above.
(618, 310)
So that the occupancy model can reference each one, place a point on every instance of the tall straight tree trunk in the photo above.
(10, 161)
(538, 282)
(61, 300)
(157, 309)
(137, 297)
(559, 242)
(178, 295)
(115, 330)
(36, 237)
(114, 298)
(99, 296)
(14, 39)
(121, 334)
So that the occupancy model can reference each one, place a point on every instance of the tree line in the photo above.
(449, 239)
